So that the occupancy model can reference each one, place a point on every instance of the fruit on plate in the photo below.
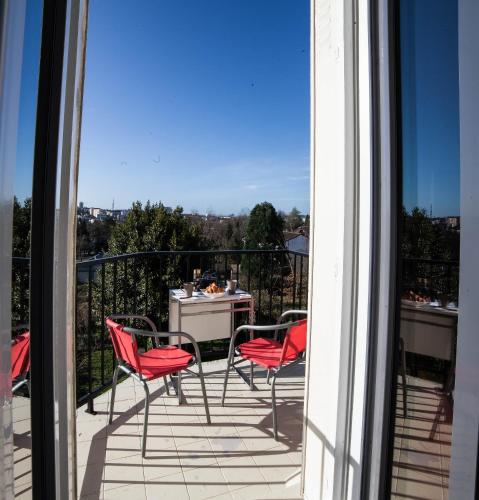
(214, 288)
(415, 297)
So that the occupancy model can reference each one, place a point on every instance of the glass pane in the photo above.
(429, 249)
(21, 251)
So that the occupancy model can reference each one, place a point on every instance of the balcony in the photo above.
(234, 457)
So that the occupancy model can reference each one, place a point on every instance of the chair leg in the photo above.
(145, 420)
(251, 372)
(273, 406)
(113, 390)
(228, 368)
(268, 375)
(178, 381)
(165, 380)
(203, 388)
(403, 376)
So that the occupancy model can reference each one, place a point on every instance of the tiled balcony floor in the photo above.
(234, 457)
(422, 443)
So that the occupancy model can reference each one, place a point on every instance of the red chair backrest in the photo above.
(20, 355)
(295, 341)
(124, 345)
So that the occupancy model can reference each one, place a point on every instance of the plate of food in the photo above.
(411, 298)
(214, 291)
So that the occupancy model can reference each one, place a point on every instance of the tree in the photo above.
(265, 232)
(21, 267)
(424, 238)
(293, 219)
(143, 282)
(265, 228)
(306, 222)
(21, 227)
(154, 228)
(93, 237)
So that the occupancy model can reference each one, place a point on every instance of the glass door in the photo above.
(429, 241)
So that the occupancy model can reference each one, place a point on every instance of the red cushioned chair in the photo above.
(272, 354)
(20, 353)
(154, 363)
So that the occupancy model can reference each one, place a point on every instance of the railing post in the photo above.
(102, 329)
(294, 282)
(271, 287)
(90, 407)
(300, 281)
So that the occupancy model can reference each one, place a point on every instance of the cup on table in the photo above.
(232, 286)
(188, 288)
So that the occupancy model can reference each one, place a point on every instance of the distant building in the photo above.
(95, 211)
(450, 221)
(296, 242)
(453, 221)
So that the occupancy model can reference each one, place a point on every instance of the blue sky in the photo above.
(203, 104)
(430, 103)
(206, 104)
(28, 100)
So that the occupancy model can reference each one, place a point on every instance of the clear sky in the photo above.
(198, 103)
(430, 102)
(205, 103)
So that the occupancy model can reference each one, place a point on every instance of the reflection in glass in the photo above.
(20, 349)
(429, 249)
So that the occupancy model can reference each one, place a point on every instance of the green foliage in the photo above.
(21, 227)
(422, 239)
(265, 228)
(153, 228)
(21, 268)
(265, 232)
(293, 220)
(93, 238)
(425, 238)
(224, 234)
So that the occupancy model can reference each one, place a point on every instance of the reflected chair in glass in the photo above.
(275, 356)
(20, 353)
(157, 362)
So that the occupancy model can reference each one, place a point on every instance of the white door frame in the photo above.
(464, 455)
(353, 245)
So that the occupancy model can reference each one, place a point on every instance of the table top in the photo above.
(200, 297)
(428, 308)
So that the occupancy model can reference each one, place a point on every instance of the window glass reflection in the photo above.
(429, 249)
(20, 348)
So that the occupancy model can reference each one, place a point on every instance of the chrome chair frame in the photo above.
(121, 365)
(276, 371)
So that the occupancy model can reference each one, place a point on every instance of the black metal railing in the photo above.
(139, 284)
(20, 291)
(431, 278)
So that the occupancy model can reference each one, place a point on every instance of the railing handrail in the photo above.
(111, 258)
(436, 262)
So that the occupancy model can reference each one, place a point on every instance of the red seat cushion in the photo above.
(20, 353)
(163, 361)
(264, 352)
